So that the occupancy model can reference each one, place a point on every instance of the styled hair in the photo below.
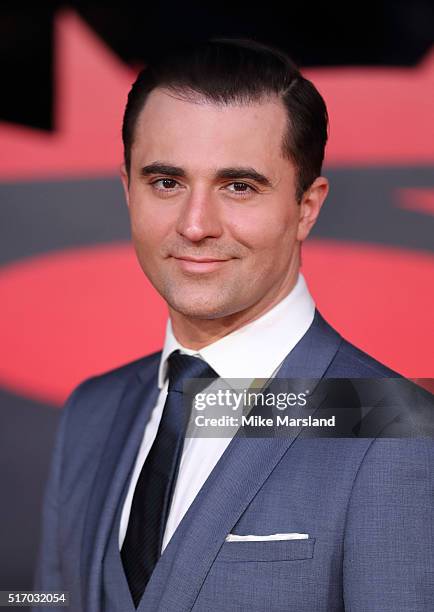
(227, 71)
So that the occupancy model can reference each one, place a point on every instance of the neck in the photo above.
(194, 333)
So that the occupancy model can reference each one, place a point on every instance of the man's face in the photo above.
(213, 241)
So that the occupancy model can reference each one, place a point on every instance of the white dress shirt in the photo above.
(255, 350)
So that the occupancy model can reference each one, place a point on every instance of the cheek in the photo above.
(265, 229)
(149, 225)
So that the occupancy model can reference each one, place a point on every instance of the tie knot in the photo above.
(182, 367)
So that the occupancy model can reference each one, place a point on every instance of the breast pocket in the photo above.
(260, 575)
(272, 550)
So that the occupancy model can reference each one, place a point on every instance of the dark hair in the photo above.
(238, 71)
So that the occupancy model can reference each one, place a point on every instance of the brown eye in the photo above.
(166, 182)
(241, 188)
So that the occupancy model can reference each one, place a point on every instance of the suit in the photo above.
(365, 503)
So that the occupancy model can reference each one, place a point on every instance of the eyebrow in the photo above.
(232, 172)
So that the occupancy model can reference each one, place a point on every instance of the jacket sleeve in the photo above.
(48, 575)
(389, 537)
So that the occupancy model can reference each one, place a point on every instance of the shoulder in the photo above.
(346, 360)
(398, 408)
(117, 377)
(98, 396)
(88, 416)
(350, 360)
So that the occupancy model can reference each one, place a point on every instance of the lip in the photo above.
(199, 265)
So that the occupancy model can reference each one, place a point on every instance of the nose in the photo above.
(199, 216)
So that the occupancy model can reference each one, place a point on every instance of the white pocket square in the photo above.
(259, 538)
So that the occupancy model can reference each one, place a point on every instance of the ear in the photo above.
(310, 206)
(125, 183)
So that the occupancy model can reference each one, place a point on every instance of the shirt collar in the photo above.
(258, 348)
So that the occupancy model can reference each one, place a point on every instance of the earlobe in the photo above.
(310, 206)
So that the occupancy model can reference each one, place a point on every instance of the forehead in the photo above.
(201, 131)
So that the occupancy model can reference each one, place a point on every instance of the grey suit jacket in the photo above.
(367, 505)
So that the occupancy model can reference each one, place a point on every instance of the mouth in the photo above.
(200, 265)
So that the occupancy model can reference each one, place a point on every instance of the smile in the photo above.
(202, 265)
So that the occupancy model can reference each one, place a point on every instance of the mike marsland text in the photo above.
(259, 421)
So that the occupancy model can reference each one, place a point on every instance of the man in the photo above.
(224, 143)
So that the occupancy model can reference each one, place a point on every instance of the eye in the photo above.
(167, 182)
(245, 188)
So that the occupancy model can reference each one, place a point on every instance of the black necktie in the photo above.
(154, 489)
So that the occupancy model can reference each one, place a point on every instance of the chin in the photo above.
(197, 311)
(201, 307)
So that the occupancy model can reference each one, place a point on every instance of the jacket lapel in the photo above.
(114, 470)
(236, 478)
